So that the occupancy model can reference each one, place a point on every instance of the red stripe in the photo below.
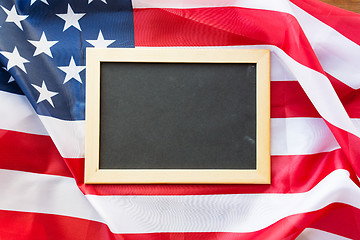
(337, 218)
(223, 26)
(290, 174)
(350, 144)
(352, 104)
(345, 22)
(349, 97)
(288, 99)
(23, 225)
(31, 153)
(340, 219)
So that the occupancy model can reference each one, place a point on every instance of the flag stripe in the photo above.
(288, 99)
(345, 54)
(280, 6)
(311, 233)
(68, 136)
(24, 119)
(31, 192)
(349, 143)
(348, 96)
(171, 213)
(337, 215)
(340, 219)
(32, 153)
(39, 226)
(299, 136)
(320, 10)
(142, 214)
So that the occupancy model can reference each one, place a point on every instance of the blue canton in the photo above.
(43, 48)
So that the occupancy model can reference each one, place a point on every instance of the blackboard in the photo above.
(177, 116)
(173, 117)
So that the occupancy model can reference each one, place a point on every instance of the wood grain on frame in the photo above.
(95, 175)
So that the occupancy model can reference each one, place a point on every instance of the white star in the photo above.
(71, 18)
(13, 17)
(100, 42)
(44, 1)
(72, 71)
(43, 45)
(15, 59)
(11, 79)
(45, 94)
(104, 1)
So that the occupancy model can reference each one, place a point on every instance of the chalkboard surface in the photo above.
(177, 115)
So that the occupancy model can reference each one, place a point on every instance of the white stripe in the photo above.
(275, 5)
(356, 123)
(41, 193)
(220, 213)
(315, 234)
(339, 56)
(279, 70)
(323, 96)
(226, 213)
(68, 136)
(17, 114)
(299, 136)
(29, 192)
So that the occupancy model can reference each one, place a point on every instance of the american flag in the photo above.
(315, 106)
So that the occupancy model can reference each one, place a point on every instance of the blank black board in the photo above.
(177, 115)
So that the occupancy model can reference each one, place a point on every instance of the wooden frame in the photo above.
(186, 176)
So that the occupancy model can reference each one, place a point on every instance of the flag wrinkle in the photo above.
(343, 21)
(243, 29)
(327, 41)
